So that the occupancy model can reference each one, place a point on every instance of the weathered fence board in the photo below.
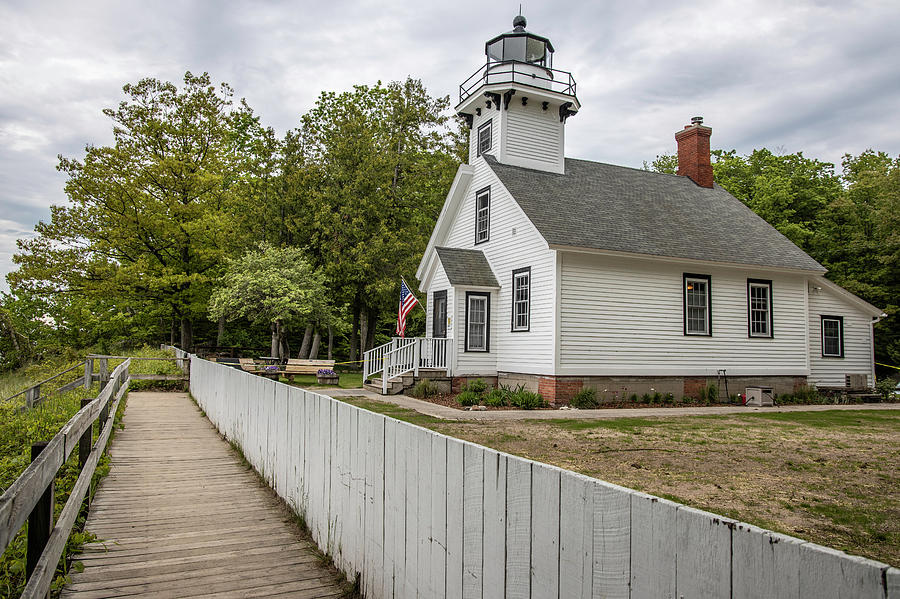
(419, 514)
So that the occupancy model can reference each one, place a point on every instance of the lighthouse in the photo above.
(516, 105)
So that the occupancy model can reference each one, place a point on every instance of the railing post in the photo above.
(385, 368)
(417, 354)
(104, 414)
(104, 372)
(40, 521)
(88, 373)
(84, 447)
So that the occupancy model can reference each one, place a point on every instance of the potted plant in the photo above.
(326, 376)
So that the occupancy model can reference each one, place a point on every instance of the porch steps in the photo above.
(399, 384)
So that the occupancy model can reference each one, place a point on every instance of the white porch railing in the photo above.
(400, 356)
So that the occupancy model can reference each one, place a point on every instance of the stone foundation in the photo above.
(559, 390)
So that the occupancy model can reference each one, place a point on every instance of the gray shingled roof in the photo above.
(603, 206)
(467, 267)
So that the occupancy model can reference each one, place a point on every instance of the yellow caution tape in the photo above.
(888, 365)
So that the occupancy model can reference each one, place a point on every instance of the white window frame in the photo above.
(769, 321)
(483, 216)
(474, 296)
(689, 279)
(521, 278)
(840, 338)
(490, 141)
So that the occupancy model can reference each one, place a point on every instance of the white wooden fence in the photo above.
(419, 514)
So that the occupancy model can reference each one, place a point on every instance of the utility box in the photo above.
(760, 396)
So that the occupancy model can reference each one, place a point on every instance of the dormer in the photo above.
(517, 104)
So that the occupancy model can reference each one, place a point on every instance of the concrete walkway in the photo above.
(179, 516)
(445, 413)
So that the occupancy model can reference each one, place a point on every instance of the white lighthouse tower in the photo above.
(517, 104)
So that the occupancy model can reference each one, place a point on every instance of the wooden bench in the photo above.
(247, 364)
(295, 367)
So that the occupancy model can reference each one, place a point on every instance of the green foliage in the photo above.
(469, 398)
(633, 398)
(663, 163)
(669, 398)
(585, 399)
(645, 398)
(885, 387)
(497, 397)
(524, 399)
(475, 386)
(424, 389)
(712, 393)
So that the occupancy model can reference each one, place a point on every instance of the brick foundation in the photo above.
(559, 390)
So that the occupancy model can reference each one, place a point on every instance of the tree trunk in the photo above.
(187, 334)
(307, 339)
(275, 345)
(172, 333)
(354, 336)
(220, 335)
(372, 320)
(314, 350)
(330, 343)
(363, 331)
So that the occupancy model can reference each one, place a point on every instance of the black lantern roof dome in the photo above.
(519, 45)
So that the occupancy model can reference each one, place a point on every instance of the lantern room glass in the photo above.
(520, 48)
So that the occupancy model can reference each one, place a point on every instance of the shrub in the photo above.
(476, 386)
(633, 398)
(585, 399)
(526, 400)
(669, 398)
(686, 399)
(712, 394)
(645, 398)
(424, 389)
(657, 397)
(807, 395)
(885, 388)
(468, 398)
(497, 397)
(701, 395)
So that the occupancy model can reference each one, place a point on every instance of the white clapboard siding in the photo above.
(494, 117)
(439, 282)
(625, 316)
(413, 513)
(857, 340)
(533, 137)
(514, 243)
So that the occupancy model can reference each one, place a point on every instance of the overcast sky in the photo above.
(822, 77)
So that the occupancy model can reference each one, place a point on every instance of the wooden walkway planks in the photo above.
(181, 517)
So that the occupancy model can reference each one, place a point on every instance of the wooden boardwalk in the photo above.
(179, 516)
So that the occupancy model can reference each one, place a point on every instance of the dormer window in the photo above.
(484, 138)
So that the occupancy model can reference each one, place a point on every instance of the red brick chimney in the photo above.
(693, 152)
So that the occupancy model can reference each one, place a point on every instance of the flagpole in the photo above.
(418, 303)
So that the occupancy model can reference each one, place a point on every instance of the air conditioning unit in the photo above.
(856, 381)
(760, 396)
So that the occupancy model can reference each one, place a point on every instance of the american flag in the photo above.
(407, 302)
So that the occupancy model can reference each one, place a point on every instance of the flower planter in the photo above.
(327, 380)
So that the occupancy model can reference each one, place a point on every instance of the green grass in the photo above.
(394, 411)
(626, 425)
(346, 380)
(831, 418)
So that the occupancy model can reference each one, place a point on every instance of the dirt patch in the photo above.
(829, 477)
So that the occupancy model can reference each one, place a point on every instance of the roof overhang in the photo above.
(535, 94)
(458, 188)
(859, 302)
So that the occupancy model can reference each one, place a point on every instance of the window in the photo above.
(759, 308)
(832, 336)
(439, 314)
(484, 138)
(482, 215)
(521, 304)
(697, 305)
(478, 313)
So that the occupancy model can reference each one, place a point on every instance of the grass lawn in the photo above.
(831, 477)
(346, 380)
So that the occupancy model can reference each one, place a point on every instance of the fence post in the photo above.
(104, 414)
(88, 373)
(32, 395)
(417, 355)
(104, 372)
(40, 521)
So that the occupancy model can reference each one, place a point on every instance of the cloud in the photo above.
(816, 76)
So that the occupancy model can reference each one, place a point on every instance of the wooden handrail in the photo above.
(47, 380)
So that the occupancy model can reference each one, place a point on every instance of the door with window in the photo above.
(439, 314)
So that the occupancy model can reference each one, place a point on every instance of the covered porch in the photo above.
(401, 362)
